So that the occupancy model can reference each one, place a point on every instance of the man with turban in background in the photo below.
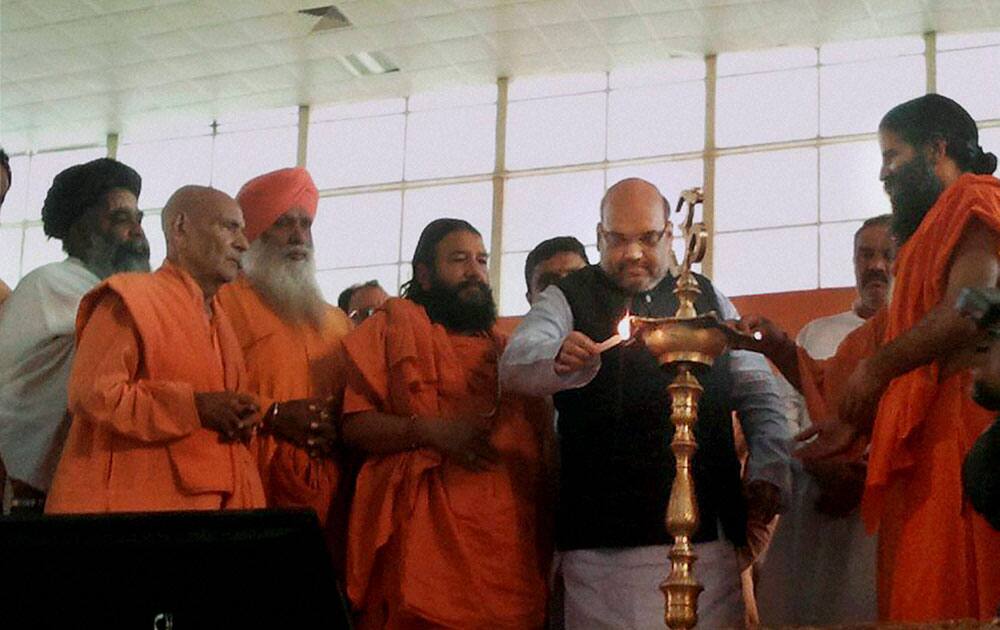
(157, 390)
(93, 209)
(291, 340)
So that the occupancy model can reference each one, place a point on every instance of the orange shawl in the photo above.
(145, 347)
(936, 557)
(428, 539)
(921, 281)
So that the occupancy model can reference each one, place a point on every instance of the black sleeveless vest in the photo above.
(614, 433)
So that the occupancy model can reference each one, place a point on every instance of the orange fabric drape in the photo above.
(431, 544)
(937, 558)
(145, 347)
(287, 361)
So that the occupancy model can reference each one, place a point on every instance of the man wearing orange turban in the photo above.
(291, 341)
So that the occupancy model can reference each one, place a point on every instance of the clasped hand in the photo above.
(306, 423)
(234, 416)
(466, 443)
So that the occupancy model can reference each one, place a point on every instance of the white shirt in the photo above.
(37, 341)
(820, 338)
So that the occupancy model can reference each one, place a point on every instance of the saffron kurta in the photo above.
(287, 361)
(937, 558)
(145, 346)
(431, 543)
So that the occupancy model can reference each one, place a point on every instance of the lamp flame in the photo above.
(625, 327)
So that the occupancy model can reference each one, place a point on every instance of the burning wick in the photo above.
(624, 332)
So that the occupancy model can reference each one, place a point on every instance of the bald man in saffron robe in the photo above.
(900, 383)
(291, 340)
(160, 420)
(445, 524)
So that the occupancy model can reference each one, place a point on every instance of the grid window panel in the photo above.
(765, 60)
(542, 207)
(15, 205)
(860, 50)
(952, 41)
(471, 202)
(167, 165)
(766, 261)
(855, 96)
(357, 230)
(669, 177)
(556, 131)
(333, 281)
(836, 254)
(760, 190)
(451, 142)
(971, 77)
(153, 227)
(261, 119)
(359, 109)
(556, 85)
(45, 166)
(849, 183)
(241, 156)
(10, 255)
(456, 97)
(356, 152)
(767, 107)
(656, 120)
(673, 71)
(39, 250)
(989, 139)
(512, 287)
(405, 274)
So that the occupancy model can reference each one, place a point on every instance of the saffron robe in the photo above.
(431, 544)
(145, 347)
(937, 558)
(288, 361)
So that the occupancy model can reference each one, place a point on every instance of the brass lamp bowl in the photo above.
(698, 340)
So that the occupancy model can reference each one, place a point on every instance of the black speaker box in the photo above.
(169, 571)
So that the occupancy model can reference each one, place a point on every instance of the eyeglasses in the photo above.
(359, 315)
(647, 240)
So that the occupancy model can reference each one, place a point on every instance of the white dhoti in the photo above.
(620, 588)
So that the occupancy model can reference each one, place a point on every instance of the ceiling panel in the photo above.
(121, 64)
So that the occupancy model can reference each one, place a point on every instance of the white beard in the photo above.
(288, 286)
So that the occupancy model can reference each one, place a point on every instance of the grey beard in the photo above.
(289, 287)
(106, 257)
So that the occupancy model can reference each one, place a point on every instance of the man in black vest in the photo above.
(614, 429)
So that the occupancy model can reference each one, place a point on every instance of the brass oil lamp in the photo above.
(683, 344)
